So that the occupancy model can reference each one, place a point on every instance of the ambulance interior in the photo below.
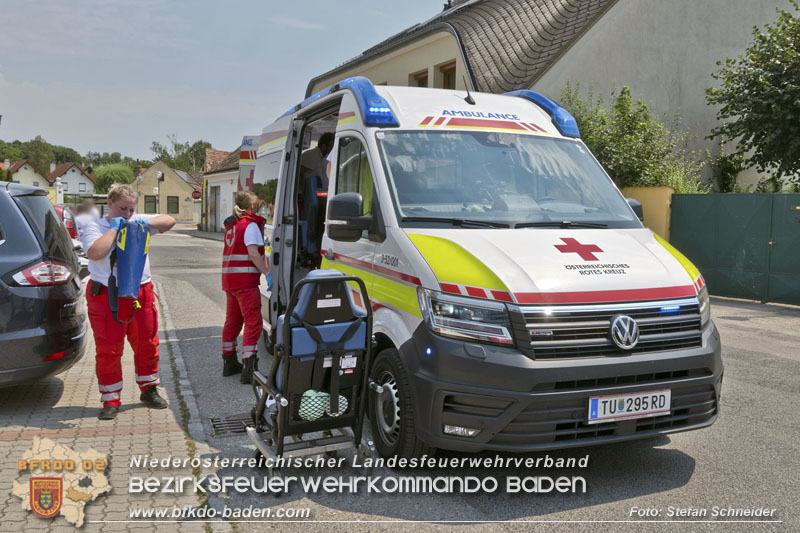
(312, 198)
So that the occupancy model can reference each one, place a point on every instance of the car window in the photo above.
(48, 228)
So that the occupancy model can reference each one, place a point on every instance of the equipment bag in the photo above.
(129, 254)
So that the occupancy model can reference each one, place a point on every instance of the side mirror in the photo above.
(636, 205)
(345, 222)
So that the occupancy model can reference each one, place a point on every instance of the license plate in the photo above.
(628, 406)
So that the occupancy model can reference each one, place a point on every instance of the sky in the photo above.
(114, 76)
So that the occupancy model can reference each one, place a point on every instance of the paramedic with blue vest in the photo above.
(243, 263)
(98, 237)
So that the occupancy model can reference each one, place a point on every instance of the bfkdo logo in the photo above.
(47, 495)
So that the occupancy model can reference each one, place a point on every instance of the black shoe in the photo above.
(250, 366)
(108, 412)
(152, 399)
(231, 366)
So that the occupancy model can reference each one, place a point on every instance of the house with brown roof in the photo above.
(665, 51)
(26, 173)
(221, 186)
(74, 178)
(173, 194)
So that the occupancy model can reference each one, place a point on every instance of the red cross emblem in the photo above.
(572, 246)
(248, 182)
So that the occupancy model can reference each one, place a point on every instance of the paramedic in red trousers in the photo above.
(243, 263)
(98, 237)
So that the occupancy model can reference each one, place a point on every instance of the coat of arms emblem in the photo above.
(46, 495)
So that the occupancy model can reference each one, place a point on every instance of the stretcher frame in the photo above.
(269, 439)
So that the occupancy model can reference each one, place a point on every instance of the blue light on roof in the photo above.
(374, 108)
(562, 119)
(670, 308)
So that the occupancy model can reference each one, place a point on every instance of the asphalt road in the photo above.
(749, 458)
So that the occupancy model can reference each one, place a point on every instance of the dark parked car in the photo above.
(43, 323)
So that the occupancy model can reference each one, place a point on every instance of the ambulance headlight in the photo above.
(705, 306)
(465, 318)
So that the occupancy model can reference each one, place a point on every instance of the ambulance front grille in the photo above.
(569, 331)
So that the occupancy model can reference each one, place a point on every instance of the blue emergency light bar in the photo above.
(562, 119)
(374, 108)
(670, 308)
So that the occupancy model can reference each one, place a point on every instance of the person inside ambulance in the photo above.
(243, 262)
(98, 237)
(313, 166)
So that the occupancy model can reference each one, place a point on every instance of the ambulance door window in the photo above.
(354, 173)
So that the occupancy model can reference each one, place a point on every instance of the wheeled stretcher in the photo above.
(318, 378)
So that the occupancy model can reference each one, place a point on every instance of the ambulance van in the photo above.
(519, 302)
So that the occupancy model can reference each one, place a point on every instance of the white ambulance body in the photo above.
(519, 302)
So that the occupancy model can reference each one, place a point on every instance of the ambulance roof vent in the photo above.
(374, 108)
(562, 119)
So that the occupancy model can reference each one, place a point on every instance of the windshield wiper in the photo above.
(560, 224)
(457, 221)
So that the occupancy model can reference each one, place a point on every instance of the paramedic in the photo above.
(313, 162)
(98, 237)
(243, 262)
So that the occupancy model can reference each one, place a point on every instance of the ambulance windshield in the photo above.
(502, 179)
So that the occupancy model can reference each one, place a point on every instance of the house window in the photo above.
(448, 75)
(172, 205)
(81, 187)
(150, 205)
(35, 183)
(419, 79)
(65, 186)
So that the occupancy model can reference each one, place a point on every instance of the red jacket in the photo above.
(238, 271)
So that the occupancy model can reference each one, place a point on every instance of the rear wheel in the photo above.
(391, 412)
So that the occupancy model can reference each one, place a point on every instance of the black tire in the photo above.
(391, 413)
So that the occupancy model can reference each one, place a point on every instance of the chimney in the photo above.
(6, 165)
(52, 167)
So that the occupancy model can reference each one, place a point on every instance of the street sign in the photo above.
(196, 195)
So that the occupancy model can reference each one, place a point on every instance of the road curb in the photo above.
(194, 424)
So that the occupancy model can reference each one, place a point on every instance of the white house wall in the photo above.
(226, 181)
(665, 51)
(74, 177)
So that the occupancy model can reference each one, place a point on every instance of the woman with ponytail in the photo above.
(243, 263)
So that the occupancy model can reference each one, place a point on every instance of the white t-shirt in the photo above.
(252, 235)
(312, 159)
(100, 270)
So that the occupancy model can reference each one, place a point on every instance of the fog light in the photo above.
(461, 432)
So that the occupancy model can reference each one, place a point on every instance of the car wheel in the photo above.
(391, 412)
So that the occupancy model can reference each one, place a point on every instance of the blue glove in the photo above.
(144, 223)
(269, 282)
(116, 222)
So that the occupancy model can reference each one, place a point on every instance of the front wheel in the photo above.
(391, 412)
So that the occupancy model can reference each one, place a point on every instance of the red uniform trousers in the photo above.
(109, 339)
(243, 307)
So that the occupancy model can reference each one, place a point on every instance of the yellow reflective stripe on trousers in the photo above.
(381, 289)
(453, 264)
(692, 270)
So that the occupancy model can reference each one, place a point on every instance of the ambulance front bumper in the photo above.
(518, 403)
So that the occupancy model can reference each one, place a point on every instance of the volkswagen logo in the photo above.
(624, 332)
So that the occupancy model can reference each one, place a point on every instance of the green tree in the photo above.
(39, 152)
(4, 175)
(633, 146)
(10, 151)
(107, 175)
(266, 191)
(183, 156)
(64, 154)
(759, 99)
